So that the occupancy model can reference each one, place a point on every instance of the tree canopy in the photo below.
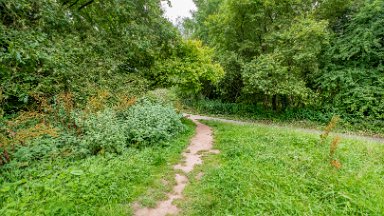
(326, 53)
(82, 46)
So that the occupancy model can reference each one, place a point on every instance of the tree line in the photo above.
(83, 47)
(324, 54)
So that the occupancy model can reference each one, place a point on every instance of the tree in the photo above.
(352, 75)
(81, 46)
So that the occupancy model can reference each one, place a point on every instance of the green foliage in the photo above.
(268, 75)
(267, 49)
(148, 123)
(98, 185)
(312, 117)
(263, 170)
(256, 112)
(189, 68)
(352, 77)
(232, 64)
(50, 47)
(294, 54)
(37, 150)
(102, 132)
(83, 134)
(286, 71)
(162, 96)
(92, 166)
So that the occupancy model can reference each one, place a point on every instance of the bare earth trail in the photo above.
(203, 142)
(200, 143)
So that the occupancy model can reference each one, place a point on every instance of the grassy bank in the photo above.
(263, 170)
(305, 117)
(97, 185)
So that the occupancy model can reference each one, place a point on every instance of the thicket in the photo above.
(103, 184)
(34, 137)
(83, 47)
(322, 55)
(71, 73)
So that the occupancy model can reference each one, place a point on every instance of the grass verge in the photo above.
(97, 185)
(263, 170)
(304, 118)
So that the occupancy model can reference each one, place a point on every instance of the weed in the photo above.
(23, 135)
(331, 125)
(98, 102)
(149, 123)
(124, 102)
(334, 144)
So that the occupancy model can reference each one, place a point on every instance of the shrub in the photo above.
(189, 68)
(106, 131)
(37, 149)
(102, 132)
(162, 96)
(148, 123)
(167, 97)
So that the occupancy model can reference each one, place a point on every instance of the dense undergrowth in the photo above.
(96, 160)
(97, 185)
(266, 170)
(305, 117)
(48, 48)
(107, 124)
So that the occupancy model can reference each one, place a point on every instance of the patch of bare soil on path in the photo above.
(201, 142)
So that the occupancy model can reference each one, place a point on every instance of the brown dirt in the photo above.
(201, 142)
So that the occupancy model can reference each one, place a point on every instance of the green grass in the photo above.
(98, 185)
(264, 170)
(303, 117)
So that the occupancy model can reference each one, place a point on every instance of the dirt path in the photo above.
(312, 131)
(201, 142)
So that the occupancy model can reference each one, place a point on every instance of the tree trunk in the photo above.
(284, 102)
(274, 102)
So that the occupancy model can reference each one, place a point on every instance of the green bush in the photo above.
(36, 150)
(190, 68)
(162, 96)
(47, 48)
(97, 185)
(149, 123)
(108, 132)
(103, 132)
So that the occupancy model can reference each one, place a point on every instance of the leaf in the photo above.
(5, 189)
(77, 172)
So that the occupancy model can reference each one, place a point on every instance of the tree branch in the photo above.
(66, 2)
(86, 4)
(74, 3)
